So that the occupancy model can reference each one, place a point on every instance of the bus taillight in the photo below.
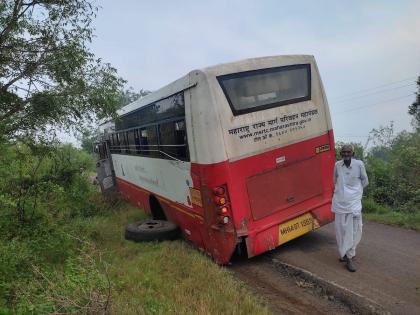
(223, 210)
(219, 191)
(221, 199)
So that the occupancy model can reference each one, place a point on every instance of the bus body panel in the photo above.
(268, 225)
(190, 221)
(245, 169)
(269, 148)
(163, 177)
(259, 131)
(263, 234)
(276, 164)
(198, 223)
(206, 142)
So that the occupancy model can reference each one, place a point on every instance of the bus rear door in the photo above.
(104, 168)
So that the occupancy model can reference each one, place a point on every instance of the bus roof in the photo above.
(184, 82)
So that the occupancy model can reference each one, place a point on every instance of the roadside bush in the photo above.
(393, 168)
(41, 263)
(395, 180)
(380, 181)
(41, 181)
(79, 287)
(371, 206)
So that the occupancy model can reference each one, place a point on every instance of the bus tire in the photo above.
(151, 230)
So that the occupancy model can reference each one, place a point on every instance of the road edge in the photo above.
(357, 303)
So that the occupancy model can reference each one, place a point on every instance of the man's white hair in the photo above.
(347, 145)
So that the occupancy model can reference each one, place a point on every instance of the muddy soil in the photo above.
(283, 294)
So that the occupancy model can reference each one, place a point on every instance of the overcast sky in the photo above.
(368, 52)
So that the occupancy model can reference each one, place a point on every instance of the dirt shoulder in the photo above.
(283, 294)
(388, 275)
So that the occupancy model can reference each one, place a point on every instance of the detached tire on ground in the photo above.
(151, 230)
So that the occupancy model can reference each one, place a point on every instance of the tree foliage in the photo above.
(89, 135)
(42, 179)
(414, 109)
(393, 170)
(392, 163)
(129, 95)
(42, 189)
(48, 76)
(87, 138)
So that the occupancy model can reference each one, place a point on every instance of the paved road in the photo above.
(388, 261)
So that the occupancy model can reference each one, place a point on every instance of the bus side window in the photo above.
(131, 142)
(144, 148)
(148, 141)
(152, 141)
(137, 140)
(181, 140)
(118, 143)
(172, 139)
(114, 143)
(111, 143)
(167, 139)
(122, 141)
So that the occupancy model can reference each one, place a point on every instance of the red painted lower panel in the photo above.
(284, 187)
(257, 203)
(205, 234)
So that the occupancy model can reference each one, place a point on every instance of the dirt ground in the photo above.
(388, 275)
(283, 294)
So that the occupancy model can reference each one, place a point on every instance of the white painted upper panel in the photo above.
(167, 178)
(215, 134)
(234, 137)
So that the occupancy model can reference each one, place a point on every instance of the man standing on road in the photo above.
(349, 179)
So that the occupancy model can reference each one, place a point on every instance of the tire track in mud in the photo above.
(284, 294)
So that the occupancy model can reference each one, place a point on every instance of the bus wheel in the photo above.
(151, 230)
(156, 209)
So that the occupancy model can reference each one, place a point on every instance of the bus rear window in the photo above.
(256, 90)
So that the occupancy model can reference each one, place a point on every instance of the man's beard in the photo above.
(347, 158)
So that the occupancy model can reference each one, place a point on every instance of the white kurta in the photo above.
(347, 205)
(348, 190)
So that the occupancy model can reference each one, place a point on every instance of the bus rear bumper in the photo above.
(261, 241)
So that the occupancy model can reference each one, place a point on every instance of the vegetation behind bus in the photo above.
(392, 164)
(62, 248)
(48, 76)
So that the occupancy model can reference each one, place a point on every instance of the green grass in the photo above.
(99, 272)
(166, 277)
(384, 214)
(62, 249)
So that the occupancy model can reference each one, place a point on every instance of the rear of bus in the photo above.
(278, 140)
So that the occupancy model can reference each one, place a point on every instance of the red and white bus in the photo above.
(238, 155)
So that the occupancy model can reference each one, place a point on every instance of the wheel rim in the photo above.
(150, 225)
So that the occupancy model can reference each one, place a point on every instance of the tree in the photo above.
(128, 96)
(48, 76)
(89, 135)
(382, 139)
(414, 109)
(87, 138)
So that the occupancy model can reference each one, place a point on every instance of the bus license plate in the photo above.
(295, 228)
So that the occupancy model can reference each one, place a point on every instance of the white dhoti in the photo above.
(348, 231)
